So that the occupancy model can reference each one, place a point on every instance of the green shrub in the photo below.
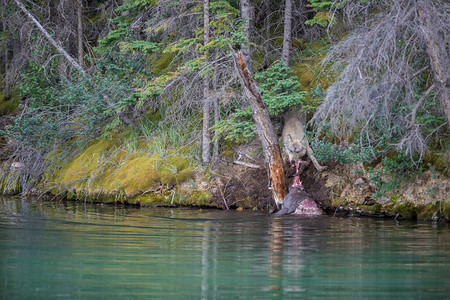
(280, 90)
(326, 151)
(402, 165)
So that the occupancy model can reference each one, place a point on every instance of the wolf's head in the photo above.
(294, 149)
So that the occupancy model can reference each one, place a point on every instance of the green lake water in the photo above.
(71, 250)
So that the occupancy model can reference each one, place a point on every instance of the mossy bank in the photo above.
(106, 172)
(425, 196)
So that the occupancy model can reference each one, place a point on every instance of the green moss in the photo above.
(305, 75)
(442, 210)
(144, 199)
(445, 210)
(440, 160)
(390, 205)
(298, 43)
(373, 208)
(311, 75)
(9, 105)
(10, 184)
(85, 167)
(407, 210)
(134, 175)
(168, 197)
(437, 209)
(337, 201)
(246, 202)
(162, 62)
(426, 212)
(174, 169)
(198, 197)
(102, 171)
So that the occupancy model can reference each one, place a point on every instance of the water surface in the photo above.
(70, 250)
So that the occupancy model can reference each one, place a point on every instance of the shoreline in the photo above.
(405, 211)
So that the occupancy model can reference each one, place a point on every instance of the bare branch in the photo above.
(379, 66)
(50, 38)
(419, 103)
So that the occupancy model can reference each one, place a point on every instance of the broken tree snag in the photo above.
(50, 38)
(264, 128)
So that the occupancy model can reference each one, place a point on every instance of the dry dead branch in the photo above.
(382, 83)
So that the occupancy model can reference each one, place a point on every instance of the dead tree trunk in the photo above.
(80, 31)
(7, 90)
(71, 60)
(439, 58)
(264, 128)
(50, 38)
(216, 108)
(206, 134)
(287, 36)
(247, 12)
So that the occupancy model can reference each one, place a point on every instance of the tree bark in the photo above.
(265, 130)
(215, 155)
(247, 12)
(7, 88)
(80, 31)
(439, 58)
(50, 39)
(206, 134)
(287, 36)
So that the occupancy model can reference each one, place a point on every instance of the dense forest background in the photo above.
(159, 77)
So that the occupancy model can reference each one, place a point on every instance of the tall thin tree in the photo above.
(206, 134)
(80, 31)
(287, 35)
(7, 89)
(247, 13)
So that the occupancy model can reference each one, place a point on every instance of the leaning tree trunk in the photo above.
(439, 58)
(264, 128)
(287, 36)
(71, 60)
(50, 38)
